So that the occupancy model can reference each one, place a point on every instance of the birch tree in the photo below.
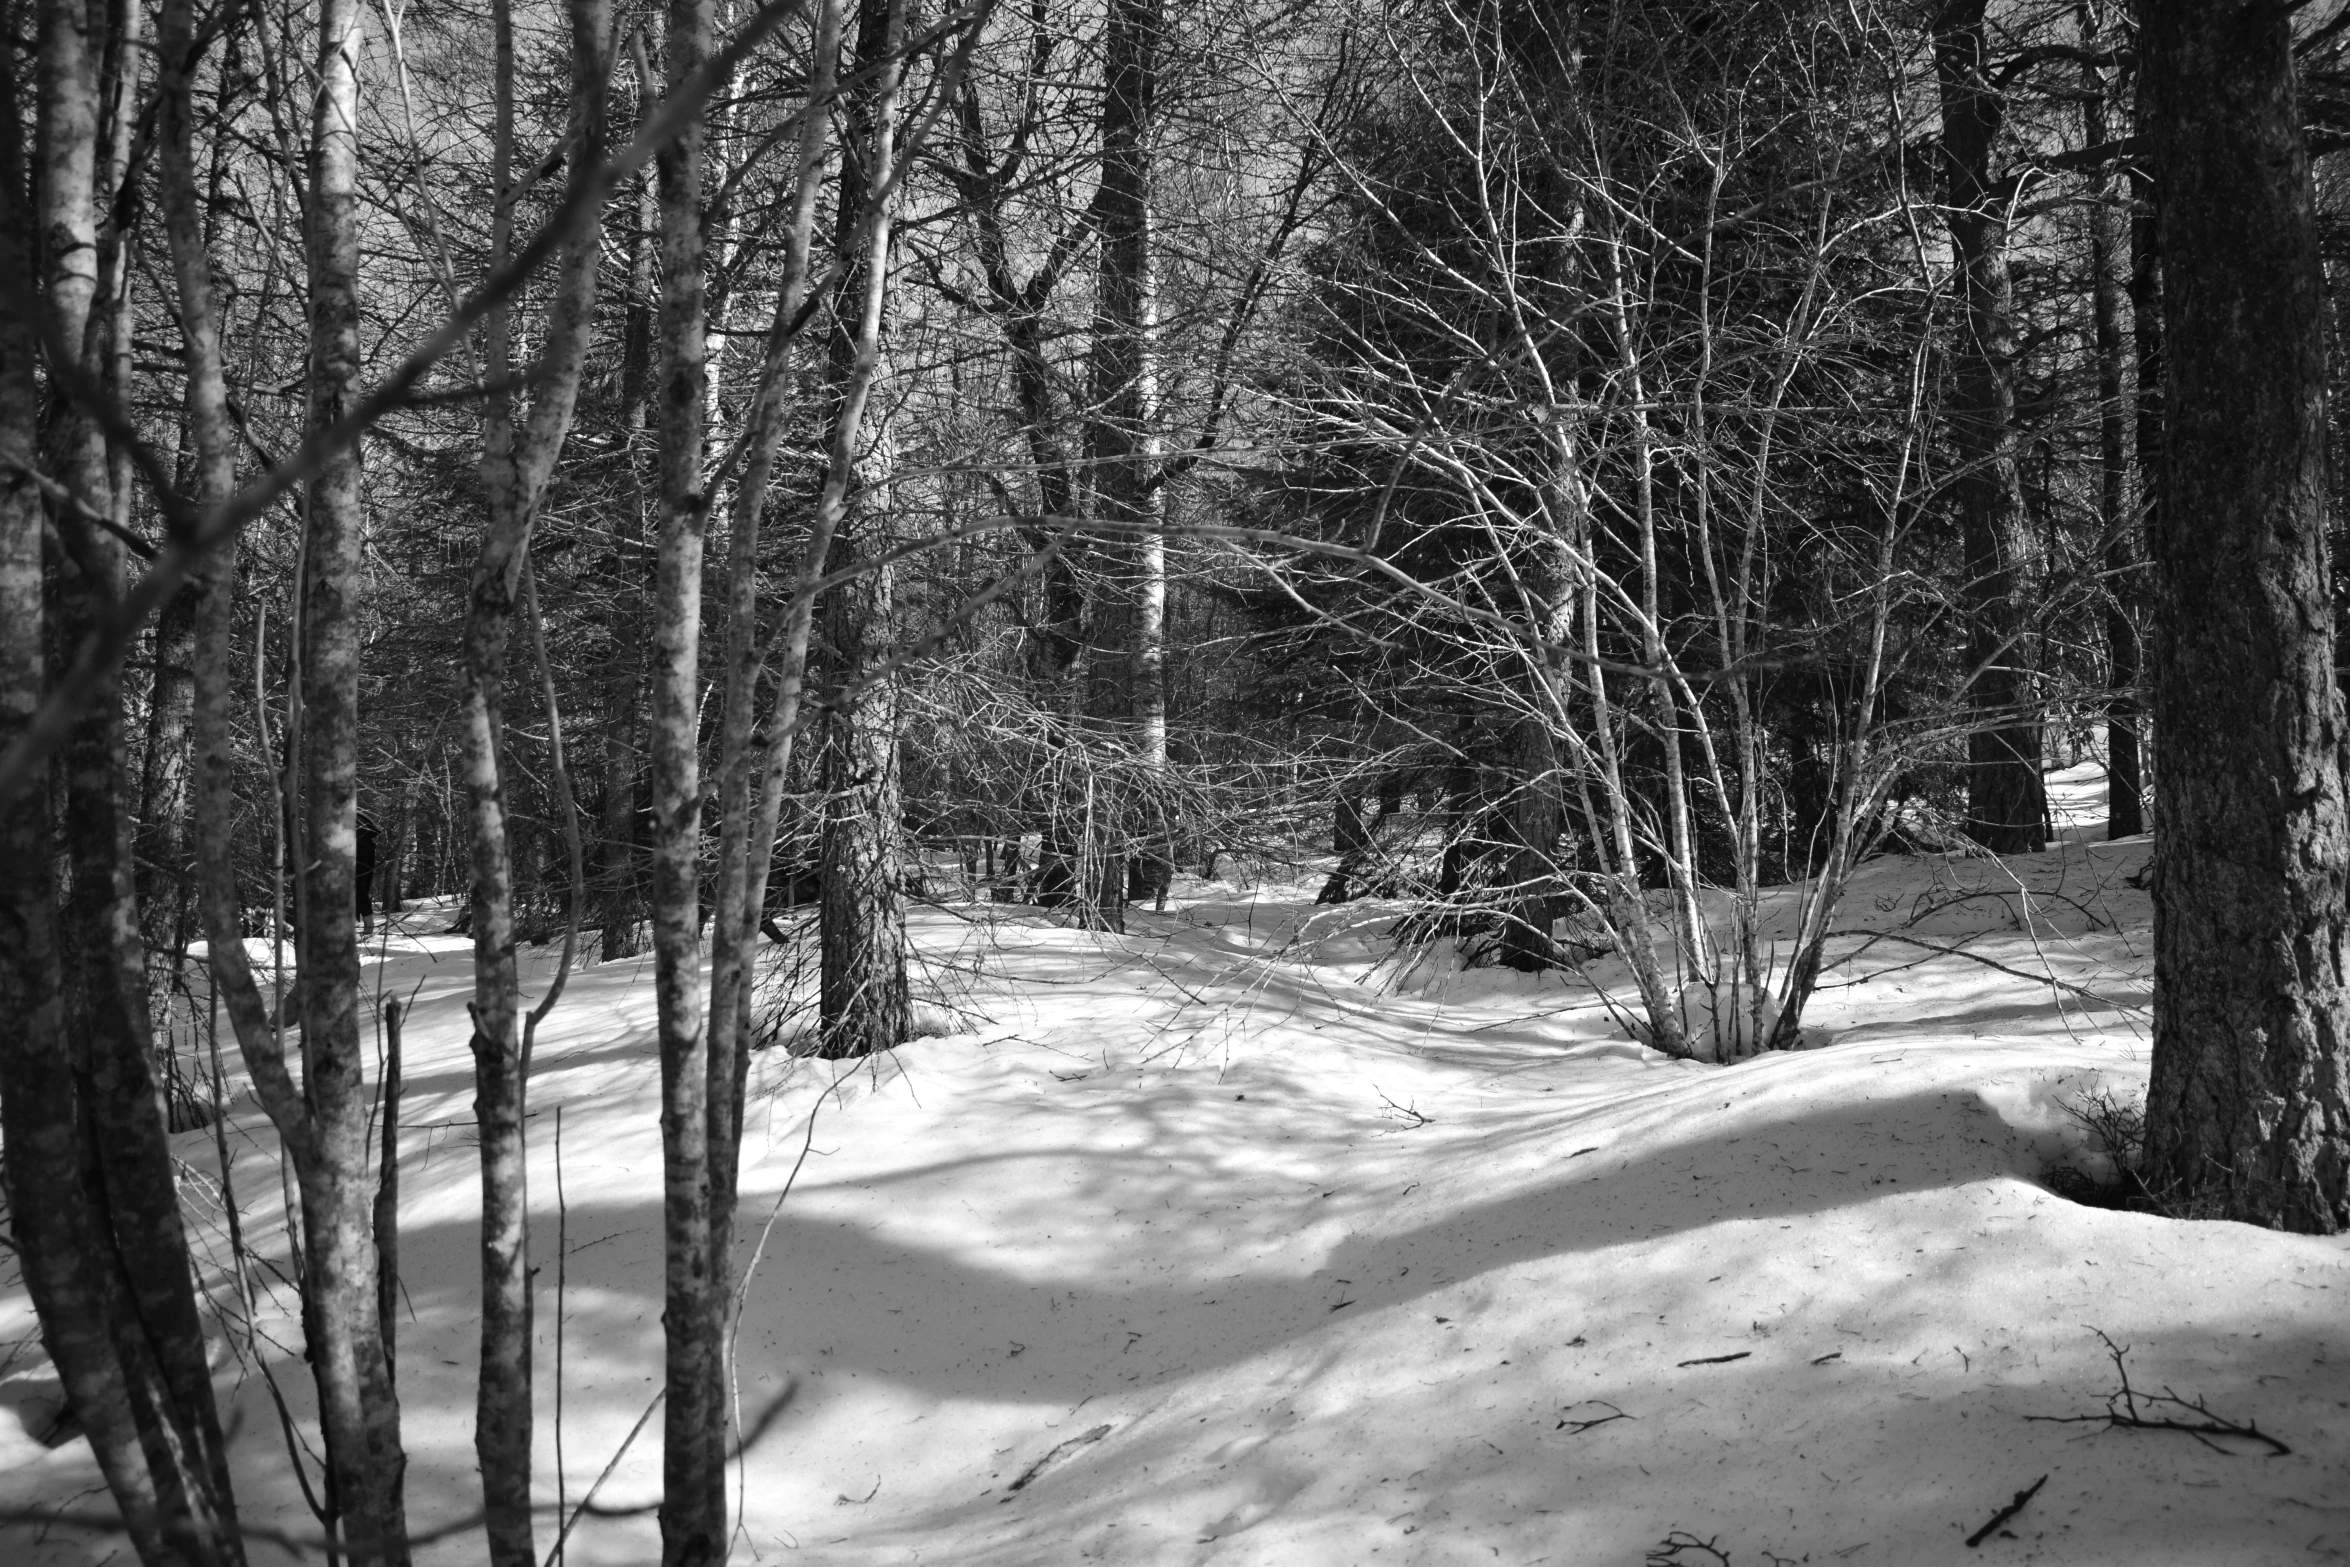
(92, 1196)
(519, 450)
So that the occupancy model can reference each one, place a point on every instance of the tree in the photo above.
(862, 1002)
(359, 1404)
(693, 1425)
(2006, 806)
(519, 452)
(93, 1205)
(2125, 780)
(2248, 1115)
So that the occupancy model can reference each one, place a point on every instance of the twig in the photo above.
(2122, 1412)
(1581, 1426)
(572, 1519)
(2005, 1513)
(1718, 1360)
(1671, 1550)
(2061, 986)
(1409, 1115)
(1062, 1451)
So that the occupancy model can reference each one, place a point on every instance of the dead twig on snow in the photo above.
(2123, 1413)
(2005, 1513)
(1581, 1426)
(1409, 1115)
(1680, 1547)
(1058, 1453)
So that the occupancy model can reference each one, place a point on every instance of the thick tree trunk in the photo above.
(1533, 817)
(2248, 1116)
(2007, 806)
(2125, 784)
(694, 1524)
(862, 995)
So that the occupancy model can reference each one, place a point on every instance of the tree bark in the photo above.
(2125, 784)
(358, 1405)
(1056, 633)
(94, 1211)
(164, 883)
(2248, 1115)
(518, 457)
(694, 1525)
(2146, 348)
(1127, 681)
(619, 903)
(754, 763)
(2007, 804)
(861, 924)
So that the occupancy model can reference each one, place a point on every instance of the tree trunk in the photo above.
(518, 456)
(163, 879)
(862, 995)
(694, 1525)
(2248, 1116)
(2146, 345)
(619, 903)
(2125, 786)
(1127, 690)
(754, 765)
(94, 1211)
(2007, 806)
(359, 1407)
(1056, 633)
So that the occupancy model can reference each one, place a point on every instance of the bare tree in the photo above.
(693, 1463)
(360, 1407)
(518, 457)
(93, 1201)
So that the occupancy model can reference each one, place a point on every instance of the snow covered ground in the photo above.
(1216, 1244)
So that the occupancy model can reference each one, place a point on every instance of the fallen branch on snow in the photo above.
(2005, 1513)
(2122, 1413)
(1409, 1115)
(1033, 1470)
(1677, 1548)
(1581, 1426)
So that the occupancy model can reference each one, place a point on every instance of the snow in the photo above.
(1343, 1264)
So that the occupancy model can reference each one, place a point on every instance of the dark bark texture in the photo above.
(862, 995)
(2006, 802)
(2248, 1116)
(2125, 784)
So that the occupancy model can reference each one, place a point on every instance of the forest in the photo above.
(1640, 690)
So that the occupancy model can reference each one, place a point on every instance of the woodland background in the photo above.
(704, 481)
